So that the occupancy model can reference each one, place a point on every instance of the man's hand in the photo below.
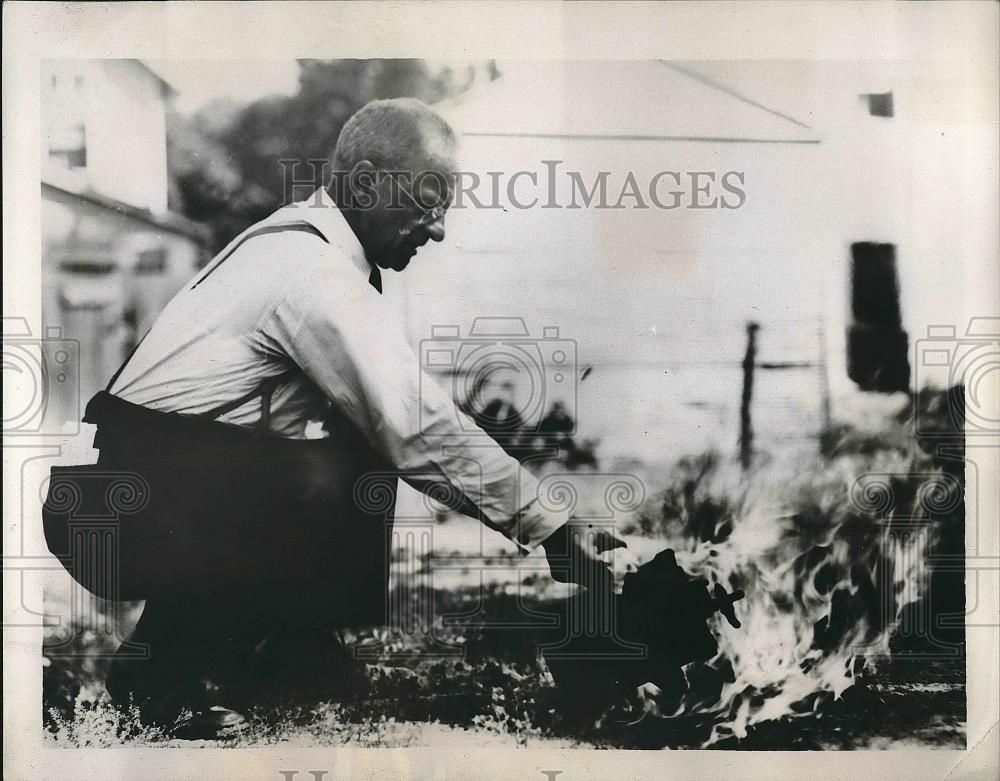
(574, 552)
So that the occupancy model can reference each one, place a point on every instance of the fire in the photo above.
(828, 565)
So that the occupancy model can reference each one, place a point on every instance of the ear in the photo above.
(361, 173)
(361, 184)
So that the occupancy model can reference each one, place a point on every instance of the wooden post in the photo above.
(824, 381)
(746, 427)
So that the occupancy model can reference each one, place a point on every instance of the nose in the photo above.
(435, 229)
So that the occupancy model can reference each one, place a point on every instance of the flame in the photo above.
(825, 588)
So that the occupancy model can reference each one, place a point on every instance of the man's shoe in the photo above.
(307, 667)
(215, 723)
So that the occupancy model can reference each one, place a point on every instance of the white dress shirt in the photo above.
(293, 299)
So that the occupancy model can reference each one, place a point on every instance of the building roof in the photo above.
(642, 100)
(168, 221)
(165, 87)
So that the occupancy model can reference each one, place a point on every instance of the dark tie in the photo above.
(375, 279)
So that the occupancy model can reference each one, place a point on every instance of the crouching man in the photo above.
(253, 532)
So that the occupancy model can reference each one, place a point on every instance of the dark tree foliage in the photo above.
(226, 160)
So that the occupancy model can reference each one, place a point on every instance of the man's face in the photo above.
(409, 211)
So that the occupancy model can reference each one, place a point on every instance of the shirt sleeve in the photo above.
(348, 342)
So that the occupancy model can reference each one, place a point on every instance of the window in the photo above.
(879, 103)
(65, 113)
(152, 261)
(68, 145)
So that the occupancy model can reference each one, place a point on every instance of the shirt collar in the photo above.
(321, 211)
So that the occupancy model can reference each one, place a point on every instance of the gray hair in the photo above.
(392, 134)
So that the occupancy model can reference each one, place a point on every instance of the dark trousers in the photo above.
(238, 649)
(198, 651)
(230, 537)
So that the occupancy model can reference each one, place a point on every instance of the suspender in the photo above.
(267, 388)
(299, 225)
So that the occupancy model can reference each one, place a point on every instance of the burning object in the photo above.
(645, 636)
(838, 565)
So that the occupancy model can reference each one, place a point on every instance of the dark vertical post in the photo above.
(824, 380)
(877, 346)
(746, 427)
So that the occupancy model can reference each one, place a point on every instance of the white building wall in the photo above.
(130, 162)
(658, 300)
(108, 267)
(121, 106)
(925, 180)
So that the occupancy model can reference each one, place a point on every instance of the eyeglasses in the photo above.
(428, 216)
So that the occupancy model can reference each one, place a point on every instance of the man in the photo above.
(284, 330)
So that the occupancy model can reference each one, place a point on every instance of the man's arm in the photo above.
(360, 357)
